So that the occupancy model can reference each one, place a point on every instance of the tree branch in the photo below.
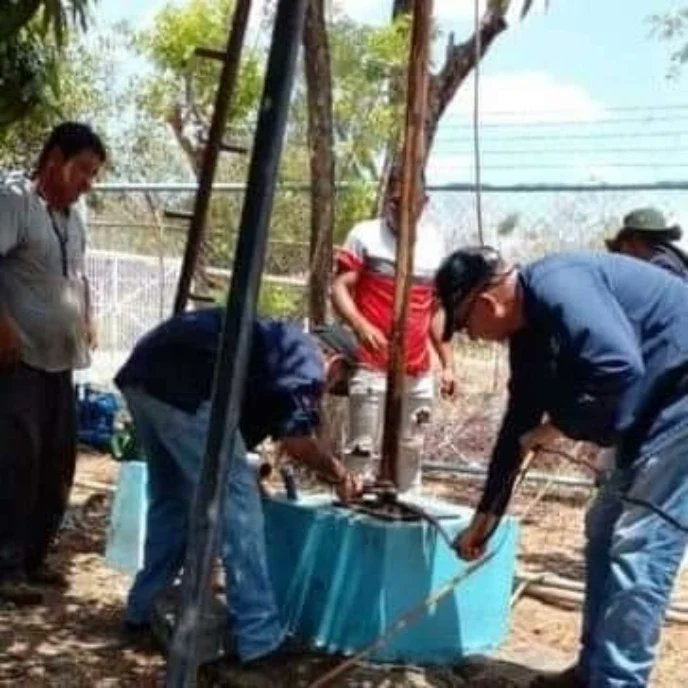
(460, 60)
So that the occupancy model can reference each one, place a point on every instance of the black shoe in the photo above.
(135, 632)
(19, 592)
(562, 679)
(286, 651)
(46, 575)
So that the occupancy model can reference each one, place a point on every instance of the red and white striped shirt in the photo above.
(370, 249)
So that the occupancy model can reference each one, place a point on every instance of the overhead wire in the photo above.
(567, 151)
(615, 108)
(592, 121)
(577, 136)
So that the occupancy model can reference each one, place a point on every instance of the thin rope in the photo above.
(476, 124)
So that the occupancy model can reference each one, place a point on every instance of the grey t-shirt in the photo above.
(42, 282)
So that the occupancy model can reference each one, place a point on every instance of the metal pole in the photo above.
(235, 343)
(228, 76)
(414, 154)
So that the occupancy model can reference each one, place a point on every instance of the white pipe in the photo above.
(476, 472)
(545, 584)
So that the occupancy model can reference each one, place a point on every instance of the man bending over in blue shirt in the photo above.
(598, 350)
(167, 383)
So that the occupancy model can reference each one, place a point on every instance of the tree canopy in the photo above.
(33, 34)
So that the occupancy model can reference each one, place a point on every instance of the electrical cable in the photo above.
(624, 497)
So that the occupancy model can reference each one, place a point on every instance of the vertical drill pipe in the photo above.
(225, 90)
(414, 154)
(235, 341)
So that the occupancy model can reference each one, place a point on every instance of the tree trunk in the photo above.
(320, 144)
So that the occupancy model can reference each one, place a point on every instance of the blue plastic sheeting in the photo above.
(127, 528)
(342, 578)
(96, 412)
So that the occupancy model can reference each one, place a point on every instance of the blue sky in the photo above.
(576, 93)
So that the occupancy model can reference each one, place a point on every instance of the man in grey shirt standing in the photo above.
(46, 331)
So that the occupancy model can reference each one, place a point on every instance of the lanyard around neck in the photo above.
(62, 243)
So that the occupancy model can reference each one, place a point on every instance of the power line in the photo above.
(550, 166)
(619, 108)
(556, 137)
(573, 122)
(565, 151)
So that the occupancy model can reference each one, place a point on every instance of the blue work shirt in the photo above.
(175, 363)
(604, 352)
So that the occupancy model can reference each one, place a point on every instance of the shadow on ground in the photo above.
(70, 641)
(477, 672)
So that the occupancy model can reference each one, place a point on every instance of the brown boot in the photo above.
(19, 592)
(561, 679)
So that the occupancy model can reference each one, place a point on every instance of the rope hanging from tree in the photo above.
(476, 124)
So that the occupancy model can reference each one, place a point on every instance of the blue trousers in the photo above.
(174, 443)
(632, 557)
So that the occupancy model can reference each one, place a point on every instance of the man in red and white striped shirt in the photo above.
(363, 296)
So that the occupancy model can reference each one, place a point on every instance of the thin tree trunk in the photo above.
(321, 144)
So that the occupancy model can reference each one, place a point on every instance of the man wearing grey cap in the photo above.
(645, 234)
(598, 352)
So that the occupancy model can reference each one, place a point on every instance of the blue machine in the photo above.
(342, 578)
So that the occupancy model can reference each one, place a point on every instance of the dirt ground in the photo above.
(73, 641)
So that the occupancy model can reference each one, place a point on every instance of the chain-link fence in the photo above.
(135, 251)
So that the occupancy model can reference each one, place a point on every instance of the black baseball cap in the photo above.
(460, 274)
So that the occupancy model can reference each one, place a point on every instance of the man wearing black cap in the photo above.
(598, 352)
(167, 383)
(645, 234)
